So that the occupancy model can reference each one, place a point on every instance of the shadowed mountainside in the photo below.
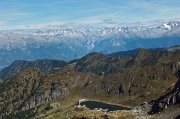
(19, 65)
(167, 100)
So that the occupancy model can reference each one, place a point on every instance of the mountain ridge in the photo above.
(45, 65)
(81, 64)
(142, 77)
(69, 44)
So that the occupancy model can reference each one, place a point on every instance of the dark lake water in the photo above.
(94, 104)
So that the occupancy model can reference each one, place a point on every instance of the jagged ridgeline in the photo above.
(45, 65)
(129, 80)
(69, 44)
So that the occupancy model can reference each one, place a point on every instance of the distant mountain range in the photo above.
(69, 44)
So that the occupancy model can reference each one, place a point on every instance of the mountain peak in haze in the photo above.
(68, 44)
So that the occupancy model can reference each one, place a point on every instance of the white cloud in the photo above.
(32, 26)
(95, 19)
(102, 13)
(89, 20)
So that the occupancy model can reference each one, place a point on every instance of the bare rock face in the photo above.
(170, 99)
(40, 99)
(175, 66)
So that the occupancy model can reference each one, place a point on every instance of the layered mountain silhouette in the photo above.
(69, 44)
(145, 75)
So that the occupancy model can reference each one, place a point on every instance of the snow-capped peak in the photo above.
(167, 26)
(173, 23)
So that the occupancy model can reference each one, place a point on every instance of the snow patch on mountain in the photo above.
(68, 44)
(167, 26)
(86, 38)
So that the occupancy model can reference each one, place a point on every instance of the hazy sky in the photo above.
(33, 13)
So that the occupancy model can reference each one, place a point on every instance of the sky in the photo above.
(19, 14)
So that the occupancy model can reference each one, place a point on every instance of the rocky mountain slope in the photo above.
(99, 63)
(45, 65)
(68, 44)
(132, 80)
(167, 100)
(115, 62)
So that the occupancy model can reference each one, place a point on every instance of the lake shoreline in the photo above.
(115, 104)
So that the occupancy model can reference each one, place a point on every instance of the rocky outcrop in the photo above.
(43, 98)
(170, 99)
(175, 66)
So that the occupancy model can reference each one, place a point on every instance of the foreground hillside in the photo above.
(147, 76)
